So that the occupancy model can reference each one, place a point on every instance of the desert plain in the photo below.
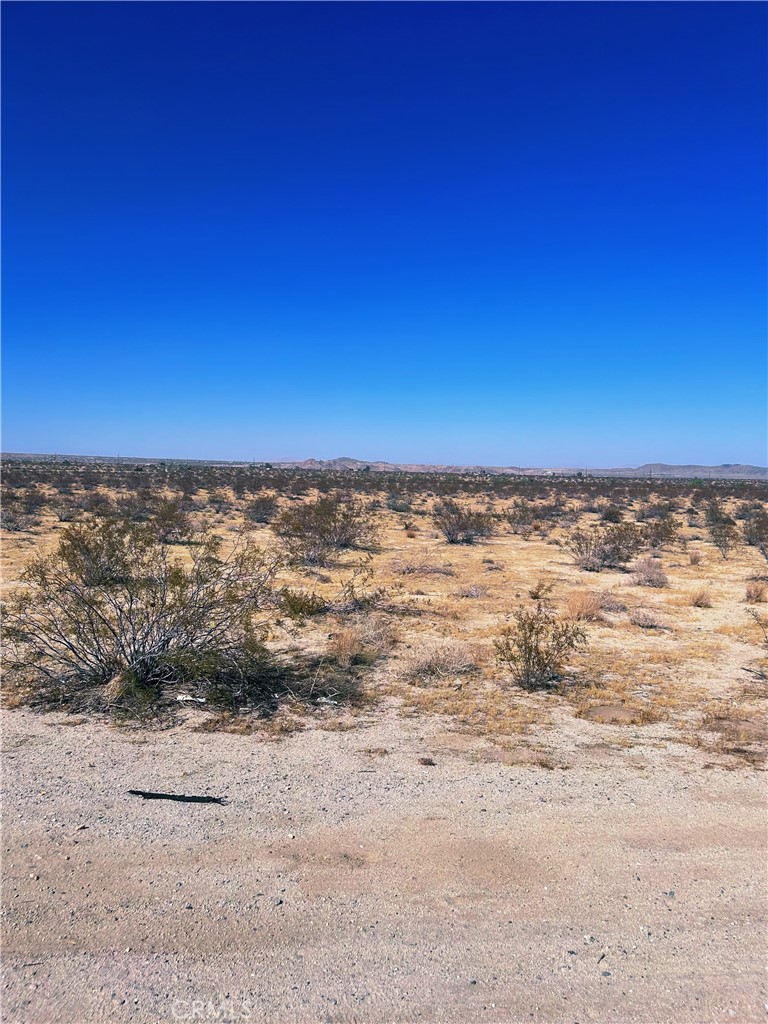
(419, 837)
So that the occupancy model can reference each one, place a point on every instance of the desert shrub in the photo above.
(461, 525)
(724, 536)
(65, 511)
(314, 530)
(15, 521)
(645, 619)
(33, 500)
(612, 514)
(362, 641)
(655, 510)
(520, 516)
(534, 648)
(439, 659)
(421, 567)
(474, 590)
(722, 528)
(585, 605)
(262, 509)
(399, 503)
(661, 531)
(701, 597)
(756, 532)
(172, 522)
(359, 592)
(99, 504)
(608, 548)
(761, 621)
(301, 604)
(648, 572)
(138, 507)
(694, 557)
(541, 590)
(220, 500)
(612, 602)
(755, 592)
(111, 617)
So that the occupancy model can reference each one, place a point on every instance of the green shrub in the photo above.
(262, 509)
(609, 548)
(756, 532)
(534, 648)
(300, 604)
(315, 529)
(460, 525)
(612, 514)
(111, 617)
(172, 523)
(661, 531)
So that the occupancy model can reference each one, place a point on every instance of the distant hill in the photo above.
(726, 471)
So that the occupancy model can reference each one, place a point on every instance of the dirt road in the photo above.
(341, 883)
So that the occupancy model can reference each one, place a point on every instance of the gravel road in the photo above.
(344, 884)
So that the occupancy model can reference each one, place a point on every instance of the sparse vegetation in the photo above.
(534, 648)
(314, 530)
(460, 525)
(585, 605)
(362, 641)
(645, 619)
(701, 597)
(439, 659)
(755, 592)
(610, 548)
(722, 528)
(111, 617)
(649, 573)
(333, 615)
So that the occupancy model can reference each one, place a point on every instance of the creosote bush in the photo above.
(722, 529)
(111, 617)
(461, 525)
(756, 532)
(535, 647)
(261, 509)
(609, 548)
(314, 530)
(658, 533)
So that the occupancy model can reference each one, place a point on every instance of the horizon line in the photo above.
(575, 467)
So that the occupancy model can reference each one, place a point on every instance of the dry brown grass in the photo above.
(645, 619)
(585, 605)
(439, 659)
(701, 597)
(755, 592)
(363, 640)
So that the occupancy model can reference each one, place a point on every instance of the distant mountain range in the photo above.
(726, 471)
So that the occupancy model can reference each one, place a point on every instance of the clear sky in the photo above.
(500, 233)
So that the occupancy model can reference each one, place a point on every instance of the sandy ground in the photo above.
(344, 884)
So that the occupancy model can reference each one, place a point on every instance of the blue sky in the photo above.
(523, 233)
